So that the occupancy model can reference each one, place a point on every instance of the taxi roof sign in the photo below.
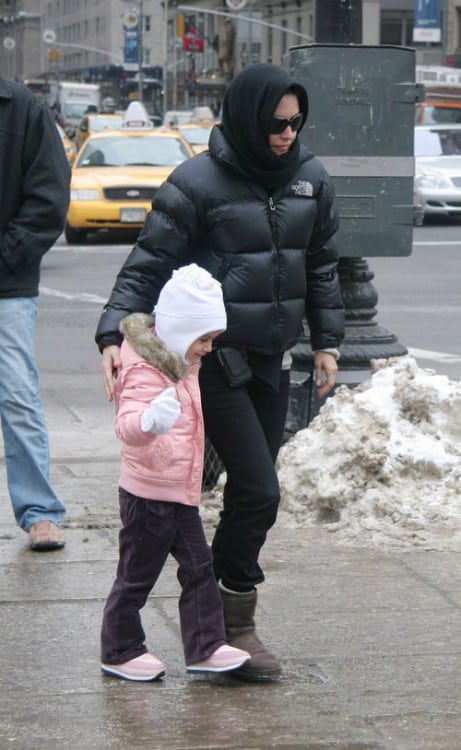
(136, 117)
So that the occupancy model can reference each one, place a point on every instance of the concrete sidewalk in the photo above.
(370, 641)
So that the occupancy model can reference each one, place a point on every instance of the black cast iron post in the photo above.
(340, 22)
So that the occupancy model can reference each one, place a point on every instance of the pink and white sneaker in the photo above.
(224, 659)
(144, 668)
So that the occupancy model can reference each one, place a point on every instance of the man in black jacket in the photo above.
(258, 211)
(34, 196)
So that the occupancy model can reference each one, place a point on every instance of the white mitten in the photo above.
(162, 413)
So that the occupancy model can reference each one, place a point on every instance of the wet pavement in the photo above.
(370, 640)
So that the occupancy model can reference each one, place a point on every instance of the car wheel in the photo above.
(74, 236)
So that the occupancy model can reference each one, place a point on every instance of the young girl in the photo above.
(159, 421)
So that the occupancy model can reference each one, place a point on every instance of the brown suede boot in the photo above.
(239, 610)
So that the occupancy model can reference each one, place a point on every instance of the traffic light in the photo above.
(53, 55)
(180, 26)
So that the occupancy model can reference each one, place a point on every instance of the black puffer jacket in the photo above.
(34, 188)
(274, 255)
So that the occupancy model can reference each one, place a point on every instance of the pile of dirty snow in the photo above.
(380, 464)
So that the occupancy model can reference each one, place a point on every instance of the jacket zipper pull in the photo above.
(272, 211)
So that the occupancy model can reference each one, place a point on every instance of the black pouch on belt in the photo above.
(235, 365)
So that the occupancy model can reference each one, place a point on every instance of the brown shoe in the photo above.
(45, 536)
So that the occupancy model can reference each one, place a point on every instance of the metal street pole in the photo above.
(140, 49)
(165, 55)
(165, 58)
(338, 21)
(100, 51)
(136, 21)
(174, 54)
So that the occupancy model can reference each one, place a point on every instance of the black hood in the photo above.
(248, 107)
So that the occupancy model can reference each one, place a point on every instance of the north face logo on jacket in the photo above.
(302, 187)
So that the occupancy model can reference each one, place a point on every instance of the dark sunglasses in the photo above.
(278, 124)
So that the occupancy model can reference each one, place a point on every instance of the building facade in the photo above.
(189, 49)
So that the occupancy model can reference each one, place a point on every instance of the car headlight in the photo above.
(84, 195)
(432, 179)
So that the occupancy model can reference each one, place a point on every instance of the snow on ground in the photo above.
(381, 463)
(379, 466)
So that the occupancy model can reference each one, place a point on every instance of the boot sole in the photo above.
(245, 675)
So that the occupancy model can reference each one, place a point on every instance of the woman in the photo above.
(258, 212)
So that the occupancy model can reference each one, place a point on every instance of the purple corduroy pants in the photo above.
(151, 530)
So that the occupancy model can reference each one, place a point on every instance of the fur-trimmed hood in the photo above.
(138, 330)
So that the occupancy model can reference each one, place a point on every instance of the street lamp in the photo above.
(21, 30)
(140, 48)
(165, 58)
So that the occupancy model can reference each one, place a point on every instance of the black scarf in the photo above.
(248, 107)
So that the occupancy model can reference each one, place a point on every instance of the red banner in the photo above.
(192, 41)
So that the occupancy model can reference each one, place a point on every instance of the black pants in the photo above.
(245, 426)
(151, 531)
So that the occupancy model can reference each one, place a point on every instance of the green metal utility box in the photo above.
(361, 126)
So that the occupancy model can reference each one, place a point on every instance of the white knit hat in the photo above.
(189, 305)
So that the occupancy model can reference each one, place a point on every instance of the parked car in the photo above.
(437, 185)
(116, 174)
(94, 123)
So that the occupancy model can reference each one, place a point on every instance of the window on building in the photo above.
(147, 23)
(397, 27)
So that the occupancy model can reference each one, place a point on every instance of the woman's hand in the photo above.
(326, 368)
(109, 366)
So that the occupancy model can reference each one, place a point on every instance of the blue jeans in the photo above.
(24, 429)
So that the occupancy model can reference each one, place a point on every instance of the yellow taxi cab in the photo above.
(197, 129)
(69, 147)
(197, 134)
(116, 174)
(94, 123)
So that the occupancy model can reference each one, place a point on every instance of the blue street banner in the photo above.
(427, 26)
(131, 46)
(130, 37)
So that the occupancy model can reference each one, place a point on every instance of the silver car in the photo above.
(437, 186)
